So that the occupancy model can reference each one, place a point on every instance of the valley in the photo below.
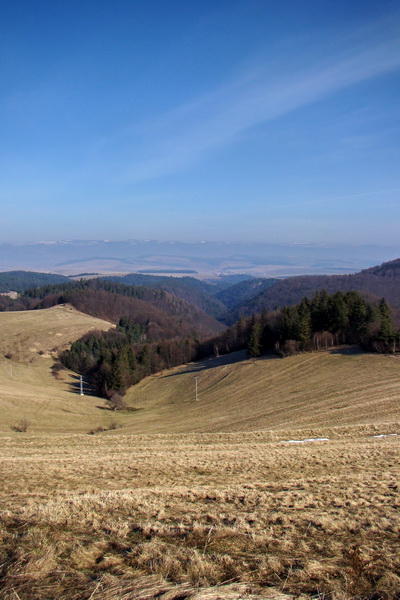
(314, 391)
(277, 480)
(199, 300)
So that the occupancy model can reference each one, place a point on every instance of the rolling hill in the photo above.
(194, 291)
(29, 343)
(198, 304)
(380, 281)
(164, 314)
(226, 496)
(243, 291)
(343, 387)
(314, 391)
(19, 281)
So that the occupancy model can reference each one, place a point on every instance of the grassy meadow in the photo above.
(318, 391)
(219, 498)
(29, 344)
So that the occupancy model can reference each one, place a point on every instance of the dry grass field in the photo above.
(198, 516)
(215, 499)
(29, 343)
(319, 391)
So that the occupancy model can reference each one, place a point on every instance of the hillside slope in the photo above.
(19, 281)
(165, 314)
(315, 391)
(380, 281)
(29, 340)
(244, 291)
(194, 291)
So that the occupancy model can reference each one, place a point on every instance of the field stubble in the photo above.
(198, 516)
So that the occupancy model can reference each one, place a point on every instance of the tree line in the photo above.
(325, 320)
(114, 360)
(117, 359)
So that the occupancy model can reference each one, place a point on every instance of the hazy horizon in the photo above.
(201, 259)
(191, 242)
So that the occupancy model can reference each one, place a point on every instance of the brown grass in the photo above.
(198, 500)
(319, 391)
(344, 388)
(29, 390)
(97, 516)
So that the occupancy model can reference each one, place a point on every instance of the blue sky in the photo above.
(255, 120)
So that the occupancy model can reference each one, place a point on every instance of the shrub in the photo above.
(21, 426)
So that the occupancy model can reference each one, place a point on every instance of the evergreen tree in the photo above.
(385, 334)
(254, 345)
(337, 313)
(289, 326)
(319, 311)
(145, 360)
(240, 330)
(133, 365)
(304, 322)
(116, 376)
(360, 315)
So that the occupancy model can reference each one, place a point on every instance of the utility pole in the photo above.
(81, 385)
(196, 386)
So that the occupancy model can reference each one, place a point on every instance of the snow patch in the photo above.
(384, 435)
(307, 440)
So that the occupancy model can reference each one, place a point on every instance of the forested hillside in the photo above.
(313, 324)
(192, 290)
(388, 270)
(163, 314)
(383, 280)
(19, 281)
(117, 359)
(222, 300)
(238, 294)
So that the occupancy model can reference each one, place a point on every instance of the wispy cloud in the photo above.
(260, 94)
(382, 194)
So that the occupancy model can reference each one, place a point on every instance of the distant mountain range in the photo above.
(204, 260)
